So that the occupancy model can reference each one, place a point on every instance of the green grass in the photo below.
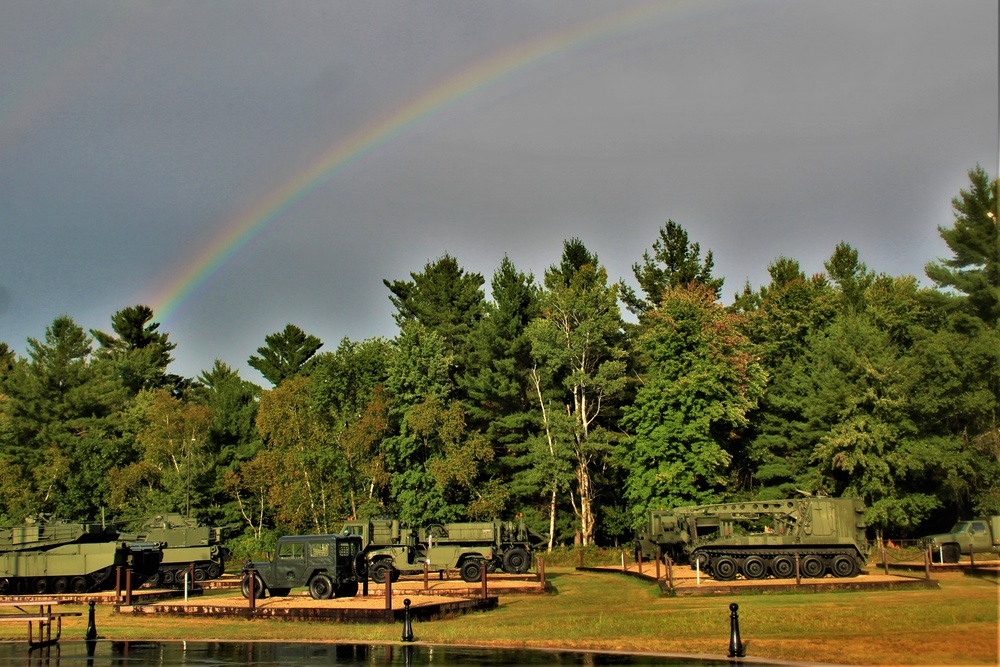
(956, 624)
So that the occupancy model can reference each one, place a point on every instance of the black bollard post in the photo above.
(407, 621)
(91, 626)
(736, 649)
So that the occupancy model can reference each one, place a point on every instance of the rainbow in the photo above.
(238, 232)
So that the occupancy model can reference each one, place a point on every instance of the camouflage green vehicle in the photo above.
(757, 539)
(393, 549)
(185, 542)
(980, 535)
(330, 565)
(46, 556)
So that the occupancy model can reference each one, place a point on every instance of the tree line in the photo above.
(543, 400)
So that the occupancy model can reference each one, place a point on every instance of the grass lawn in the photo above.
(956, 625)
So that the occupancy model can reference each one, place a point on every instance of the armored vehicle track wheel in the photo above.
(844, 566)
(78, 585)
(724, 568)
(321, 587)
(783, 567)
(813, 567)
(60, 585)
(754, 567)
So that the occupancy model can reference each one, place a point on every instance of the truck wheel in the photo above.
(321, 587)
(950, 553)
(516, 561)
(379, 571)
(724, 568)
(472, 570)
(347, 590)
(844, 566)
(258, 587)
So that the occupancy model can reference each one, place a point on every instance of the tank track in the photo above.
(725, 564)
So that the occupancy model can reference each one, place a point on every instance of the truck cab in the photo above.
(979, 535)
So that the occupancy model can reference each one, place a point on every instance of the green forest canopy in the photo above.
(543, 401)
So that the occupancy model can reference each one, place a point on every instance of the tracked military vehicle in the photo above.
(393, 549)
(185, 543)
(330, 565)
(45, 556)
(814, 535)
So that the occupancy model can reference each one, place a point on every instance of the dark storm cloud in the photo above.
(131, 132)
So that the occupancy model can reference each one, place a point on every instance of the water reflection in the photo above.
(103, 653)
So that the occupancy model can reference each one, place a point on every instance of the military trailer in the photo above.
(816, 534)
(393, 549)
(330, 565)
(185, 543)
(48, 556)
(980, 535)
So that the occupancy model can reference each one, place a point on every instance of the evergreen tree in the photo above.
(974, 239)
(286, 355)
(675, 262)
(446, 300)
(139, 354)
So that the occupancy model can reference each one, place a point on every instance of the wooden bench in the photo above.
(45, 617)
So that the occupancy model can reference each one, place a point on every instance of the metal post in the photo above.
(670, 572)
(253, 587)
(624, 564)
(736, 648)
(187, 583)
(638, 559)
(541, 571)
(885, 559)
(697, 571)
(364, 585)
(118, 583)
(927, 563)
(407, 622)
(128, 586)
(388, 589)
(798, 570)
(657, 569)
(91, 627)
(482, 576)
(426, 570)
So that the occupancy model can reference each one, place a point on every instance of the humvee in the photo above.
(330, 565)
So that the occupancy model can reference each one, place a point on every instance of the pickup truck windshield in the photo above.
(959, 527)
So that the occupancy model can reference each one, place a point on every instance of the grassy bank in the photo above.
(956, 625)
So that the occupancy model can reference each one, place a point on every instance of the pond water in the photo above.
(104, 653)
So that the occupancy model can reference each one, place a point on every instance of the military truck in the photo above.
(53, 556)
(817, 534)
(979, 535)
(330, 565)
(185, 542)
(392, 548)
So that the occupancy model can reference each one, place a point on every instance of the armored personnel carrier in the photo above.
(185, 543)
(818, 535)
(46, 556)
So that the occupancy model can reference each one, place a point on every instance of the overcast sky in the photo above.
(134, 133)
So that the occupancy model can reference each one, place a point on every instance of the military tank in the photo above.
(53, 556)
(185, 542)
(814, 535)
